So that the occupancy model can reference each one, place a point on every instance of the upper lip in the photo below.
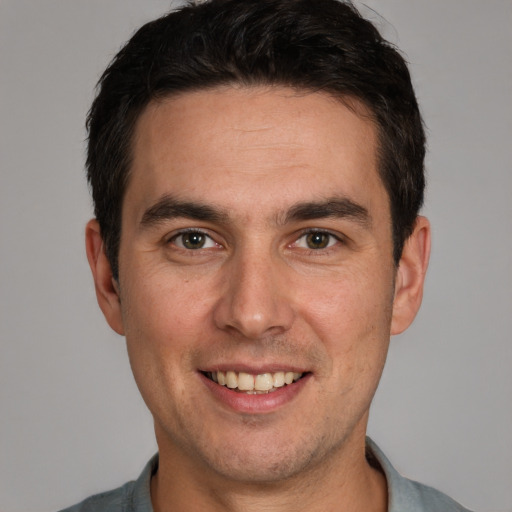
(254, 369)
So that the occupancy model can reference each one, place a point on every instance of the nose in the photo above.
(257, 298)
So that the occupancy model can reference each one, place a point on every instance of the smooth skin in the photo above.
(232, 255)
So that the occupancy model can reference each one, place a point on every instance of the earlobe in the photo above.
(410, 276)
(107, 289)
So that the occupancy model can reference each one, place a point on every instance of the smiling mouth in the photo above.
(253, 384)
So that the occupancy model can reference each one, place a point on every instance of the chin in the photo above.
(258, 470)
(261, 461)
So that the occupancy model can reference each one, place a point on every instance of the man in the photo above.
(257, 173)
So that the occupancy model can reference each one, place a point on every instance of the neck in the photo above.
(345, 481)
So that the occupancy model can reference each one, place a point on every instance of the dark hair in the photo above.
(310, 45)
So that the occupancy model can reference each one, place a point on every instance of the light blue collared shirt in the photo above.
(404, 495)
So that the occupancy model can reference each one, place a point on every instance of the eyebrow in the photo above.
(169, 207)
(336, 207)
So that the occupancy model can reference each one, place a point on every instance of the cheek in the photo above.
(161, 327)
(352, 318)
(346, 304)
(161, 304)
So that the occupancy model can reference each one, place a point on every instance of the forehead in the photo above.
(270, 146)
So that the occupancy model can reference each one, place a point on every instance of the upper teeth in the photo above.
(247, 382)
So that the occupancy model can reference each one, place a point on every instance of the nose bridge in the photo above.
(257, 301)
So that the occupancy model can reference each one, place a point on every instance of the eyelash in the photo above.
(332, 242)
(190, 231)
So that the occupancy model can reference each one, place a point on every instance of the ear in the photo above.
(107, 289)
(411, 276)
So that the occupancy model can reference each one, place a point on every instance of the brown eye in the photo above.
(318, 240)
(193, 240)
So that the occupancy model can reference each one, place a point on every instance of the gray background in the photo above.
(72, 422)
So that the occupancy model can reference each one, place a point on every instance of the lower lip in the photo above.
(257, 403)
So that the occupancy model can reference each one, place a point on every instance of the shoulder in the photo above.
(411, 495)
(134, 496)
(406, 495)
(116, 500)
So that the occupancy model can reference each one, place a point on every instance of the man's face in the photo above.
(256, 238)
